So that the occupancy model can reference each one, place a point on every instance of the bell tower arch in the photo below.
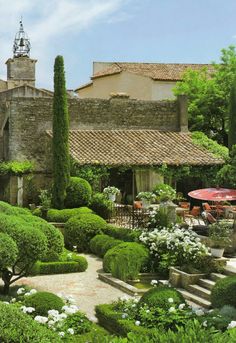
(21, 68)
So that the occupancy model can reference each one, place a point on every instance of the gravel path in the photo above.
(85, 287)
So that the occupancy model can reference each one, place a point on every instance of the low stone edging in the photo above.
(178, 278)
(124, 286)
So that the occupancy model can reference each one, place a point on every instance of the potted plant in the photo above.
(146, 198)
(45, 202)
(111, 192)
(219, 234)
(164, 192)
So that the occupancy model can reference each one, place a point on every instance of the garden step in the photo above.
(194, 298)
(200, 291)
(206, 283)
(217, 276)
(230, 270)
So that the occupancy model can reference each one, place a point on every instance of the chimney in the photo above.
(183, 112)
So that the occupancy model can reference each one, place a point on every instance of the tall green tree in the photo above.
(208, 96)
(232, 115)
(60, 145)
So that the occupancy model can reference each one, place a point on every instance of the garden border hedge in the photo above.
(59, 267)
(112, 321)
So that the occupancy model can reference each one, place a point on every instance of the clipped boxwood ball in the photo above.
(43, 302)
(8, 251)
(224, 292)
(61, 216)
(158, 297)
(126, 260)
(80, 230)
(78, 193)
(100, 244)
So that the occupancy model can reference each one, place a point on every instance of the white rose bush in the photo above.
(173, 247)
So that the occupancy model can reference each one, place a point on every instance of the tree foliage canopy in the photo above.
(232, 115)
(208, 96)
(60, 145)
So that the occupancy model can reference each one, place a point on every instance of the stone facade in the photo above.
(27, 119)
(20, 70)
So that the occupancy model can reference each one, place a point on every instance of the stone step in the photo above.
(206, 283)
(230, 271)
(217, 276)
(194, 298)
(200, 291)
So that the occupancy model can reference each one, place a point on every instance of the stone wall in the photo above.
(20, 70)
(31, 117)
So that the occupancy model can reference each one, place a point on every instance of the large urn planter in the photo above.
(112, 197)
(178, 278)
(145, 203)
(217, 252)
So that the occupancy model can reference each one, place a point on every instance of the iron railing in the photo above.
(129, 217)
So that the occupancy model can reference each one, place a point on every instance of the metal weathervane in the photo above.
(21, 46)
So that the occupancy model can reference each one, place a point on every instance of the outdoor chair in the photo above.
(216, 210)
(206, 207)
(208, 218)
(193, 215)
(184, 204)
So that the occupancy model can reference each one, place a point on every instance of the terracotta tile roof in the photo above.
(137, 147)
(84, 86)
(157, 71)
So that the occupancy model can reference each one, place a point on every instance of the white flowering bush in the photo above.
(66, 322)
(173, 246)
(169, 318)
(111, 190)
(156, 317)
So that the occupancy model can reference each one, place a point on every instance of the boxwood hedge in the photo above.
(126, 260)
(100, 244)
(80, 230)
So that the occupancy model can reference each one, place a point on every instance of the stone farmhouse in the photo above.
(118, 131)
(143, 81)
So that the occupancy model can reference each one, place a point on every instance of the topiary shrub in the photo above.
(101, 205)
(61, 216)
(78, 193)
(126, 260)
(224, 292)
(55, 240)
(43, 302)
(31, 246)
(80, 230)
(158, 297)
(122, 233)
(13, 210)
(8, 251)
(17, 327)
(37, 212)
(100, 244)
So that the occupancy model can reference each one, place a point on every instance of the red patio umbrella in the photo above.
(214, 194)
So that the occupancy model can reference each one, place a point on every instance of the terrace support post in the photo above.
(133, 196)
(183, 112)
(20, 190)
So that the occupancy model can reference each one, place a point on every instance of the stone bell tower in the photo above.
(21, 68)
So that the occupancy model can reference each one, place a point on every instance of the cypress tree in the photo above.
(232, 115)
(60, 145)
